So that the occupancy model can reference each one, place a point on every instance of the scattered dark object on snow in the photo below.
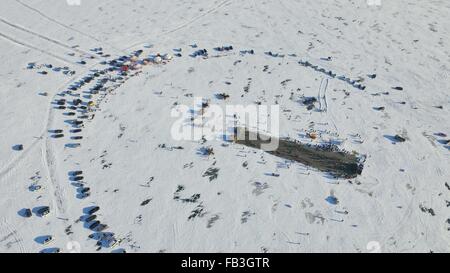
(58, 136)
(50, 250)
(120, 250)
(76, 137)
(309, 100)
(205, 104)
(360, 86)
(379, 108)
(43, 211)
(82, 62)
(200, 52)
(77, 122)
(18, 147)
(100, 227)
(305, 63)
(75, 173)
(146, 202)
(330, 73)
(94, 225)
(224, 48)
(72, 145)
(399, 88)
(372, 76)
(98, 236)
(395, 139)
(251, 51)
(92, 210)
(83, 195)
(222, 96)
(427, 210)
(43, 72)
(211, 173)
(45, 240)
(90, 218)
(206, 151)
(399, 138)
(439, 107)
(58, 131)
(440, 135)
(76, 178)
(271, 54)
(199, 211)
(74, 131)
(85, 190)
(193, 199)
(25, 213)
(327, 158)
(76, 102)
(34, 187)
(332, 200)
(328, 59)
(60, 102)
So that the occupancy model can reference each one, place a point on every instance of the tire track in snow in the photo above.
(8, 231)
(37, 49)
(186, 24)
(49, 162)
(48, 39)
(48, 157)
(323, 102)
(13, 163)
(40, 13)
(193, 20)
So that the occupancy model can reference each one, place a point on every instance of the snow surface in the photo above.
(400, 203)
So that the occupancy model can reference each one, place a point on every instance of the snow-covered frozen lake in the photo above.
(86, 123)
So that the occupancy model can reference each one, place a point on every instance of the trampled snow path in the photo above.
(322, 97)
